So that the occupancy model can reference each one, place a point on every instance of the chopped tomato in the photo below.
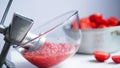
(116, 58)
(101, 56)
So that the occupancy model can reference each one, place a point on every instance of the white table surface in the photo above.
(77, 61)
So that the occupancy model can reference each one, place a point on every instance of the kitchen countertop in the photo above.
(77, 61)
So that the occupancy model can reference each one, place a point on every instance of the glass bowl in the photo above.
(52, 42)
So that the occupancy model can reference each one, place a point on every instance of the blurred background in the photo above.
(43, 10)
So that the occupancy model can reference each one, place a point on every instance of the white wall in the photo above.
(42, 10)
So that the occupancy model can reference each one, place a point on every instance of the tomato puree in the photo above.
(50, 54)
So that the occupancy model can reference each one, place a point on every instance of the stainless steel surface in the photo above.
(7, 44)
(19, 28)
(2, 27)
(6, 12)
(107, 40)
(32, 45)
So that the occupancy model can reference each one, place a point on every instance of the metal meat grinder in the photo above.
(13, 34)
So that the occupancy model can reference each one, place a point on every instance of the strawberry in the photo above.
(101, 56)
(116, 58)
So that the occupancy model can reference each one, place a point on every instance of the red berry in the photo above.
(101, 56)
(116, 58)
(97, 18)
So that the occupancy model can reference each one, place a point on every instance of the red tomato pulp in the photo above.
(49, 54)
